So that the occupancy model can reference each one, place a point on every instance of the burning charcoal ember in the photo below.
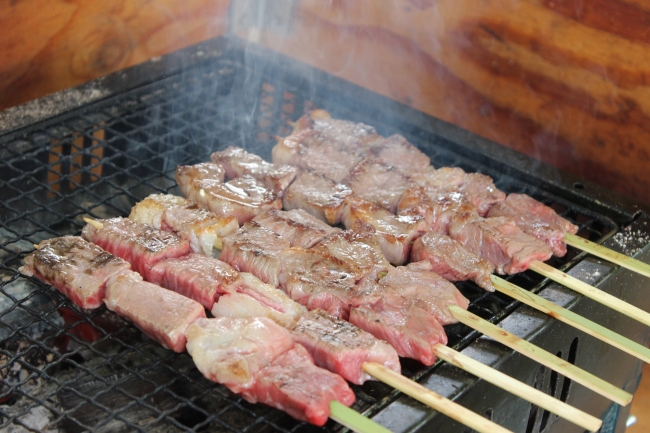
(411, 331)
(232, 351)
(195, 276)
(396, 233)
(243, 197)
(426, 290)
(380, 184)
(293, 383)
(141, 245)
(328, 146)
(161, 314)
(399, 153)
(498, 241)
(296, 226)
(77, 268)
(237, 162)
(536, 219)
(451, 260)
(341, 347)
(201, 228)
(317, 195)
(285, 309)
(480, 190)
(361, 249)
(255, 249)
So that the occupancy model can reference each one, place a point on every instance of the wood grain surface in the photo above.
(48, 46)
(565, 81)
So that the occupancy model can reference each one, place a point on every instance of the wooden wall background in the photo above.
(566, 81)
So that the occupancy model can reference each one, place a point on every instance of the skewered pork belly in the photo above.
(237, 162)
(451, 260)
(142, 245)
(396, 233)
(201, 228)
(161, 314)
(260, 360)
(317, 195)
(296, 226)
(536, 219)
(243, 197)
(380, 184)
(255, 249)
(77, 268)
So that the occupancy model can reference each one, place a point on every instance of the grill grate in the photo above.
(64, 369)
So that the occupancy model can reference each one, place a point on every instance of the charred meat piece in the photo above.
(452, 260)
(248, 296)
(341, 347)
(296, 226)
(255, 249)
(411, 331)
(426, 289)
(232, 351)
(380, 184)
(399, 153)
(535, 219)
(293, 383)
(317, 195)
(499, 241)
(396, 233)
(243, 197)
(77, 268)
(201, 228)
(329, 146)
(142, 245)
(196, 276)
(237, 162)
(161, 314)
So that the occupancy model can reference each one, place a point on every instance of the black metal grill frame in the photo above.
(98, 160)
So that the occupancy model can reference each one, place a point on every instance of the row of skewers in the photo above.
(373, 190)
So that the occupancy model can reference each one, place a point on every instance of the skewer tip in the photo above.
(94, 223)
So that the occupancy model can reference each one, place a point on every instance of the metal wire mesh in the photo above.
(65, 369)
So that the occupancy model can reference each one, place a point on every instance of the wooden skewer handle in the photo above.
(538, 354)
(607, 254)
(591, 292)
(353, 420)
(518, 388)
(572, 319)
(432, 399)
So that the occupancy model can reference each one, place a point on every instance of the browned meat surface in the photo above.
(378, 183)
(536, 219)
(77, 268)
(396, 233)
(255, 249)
(195, 276)
(186, 174)
(243, 197)
(317, 195)
(499, 241)
(399, 153)
(161, 314)
(329, 146)
(480, 190)
(442, 180)
(438, 211)
(293, 383)
(296, 226)
(142, 245)
(237, 162)
(341, 347)
(201, 228)
(452, 260)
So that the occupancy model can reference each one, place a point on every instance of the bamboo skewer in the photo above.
(432, 399)
(354, 420)
(518, 388)
(591, 292)
(607, 254)
(543, 357)
(570, 318)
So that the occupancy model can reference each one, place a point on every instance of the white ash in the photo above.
(38, 418)
(631, 241)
